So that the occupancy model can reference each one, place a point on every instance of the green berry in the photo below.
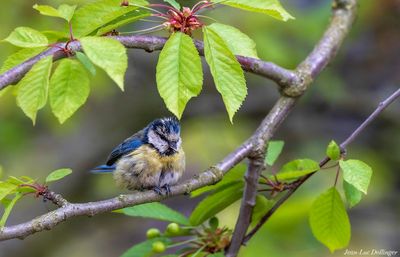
(152, 233)
(173, 228)
(158, 247)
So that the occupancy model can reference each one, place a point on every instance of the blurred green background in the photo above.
(365, 71)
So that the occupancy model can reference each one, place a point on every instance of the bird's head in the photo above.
(164, 135)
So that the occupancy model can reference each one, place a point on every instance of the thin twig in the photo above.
(281, 76)
(381, 107)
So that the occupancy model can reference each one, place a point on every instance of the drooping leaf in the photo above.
(144, 249)
(156, 211)
(109, 54)
(353, 195)
(123, 20)
(69, 88)
(57, 175)
(226, 71)
(33, 88)
(274, 149)
(6, 90)
(86, 62)
(216, 202)
(356, 173)
(261, 208)
(297, 168)
(19, 57)
(234, 175)
(238, 42)
(333, 151)
(329, 221)
(179, 72)
(8, 207)
(174, 4)
(64, 11)
(18, 181)
(89, 18)
(6, 189)
(27, 37)
(270, 7)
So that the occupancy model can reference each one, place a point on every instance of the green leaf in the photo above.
(55, 36)
(270, 7)
(238, 42)
(19, 57)
(57, 175)
(6, 90)
(226, 71)
(69, 88)
(173, 3)
(274, 149)
(216, 202)
(33, 88)
(234, 175)
(123, 20)
(47, 10)
(8, 207)
(329, 221)
(144, 249)
(261, 208)
(356, 173)
(156, 211)
(27, 37)
(86, 62)
(179, 72)
(64, 11)
(297, 168)
(18, 181)
(6, 189)
(353, 195)
(89, 18)
(1, 171)
(109, 54)
(333, 151)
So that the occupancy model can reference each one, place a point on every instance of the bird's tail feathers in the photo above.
(103, 169)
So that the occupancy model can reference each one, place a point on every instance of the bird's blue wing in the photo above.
(126, 147)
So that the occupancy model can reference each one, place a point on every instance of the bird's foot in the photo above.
(158, 190)
(167, 189)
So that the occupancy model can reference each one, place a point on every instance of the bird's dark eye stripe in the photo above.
(162, 136)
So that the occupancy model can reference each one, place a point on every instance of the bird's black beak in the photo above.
(173, 146)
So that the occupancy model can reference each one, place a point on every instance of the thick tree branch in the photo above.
(381, 107)
(326, 49)
(269, 70)
(209, 177)
(256, 164)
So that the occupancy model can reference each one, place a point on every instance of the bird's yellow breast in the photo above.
(152, 161)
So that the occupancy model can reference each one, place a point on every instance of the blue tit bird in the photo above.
(152, 158)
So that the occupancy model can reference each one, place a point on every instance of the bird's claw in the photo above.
(157, 190)
(167, 189)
